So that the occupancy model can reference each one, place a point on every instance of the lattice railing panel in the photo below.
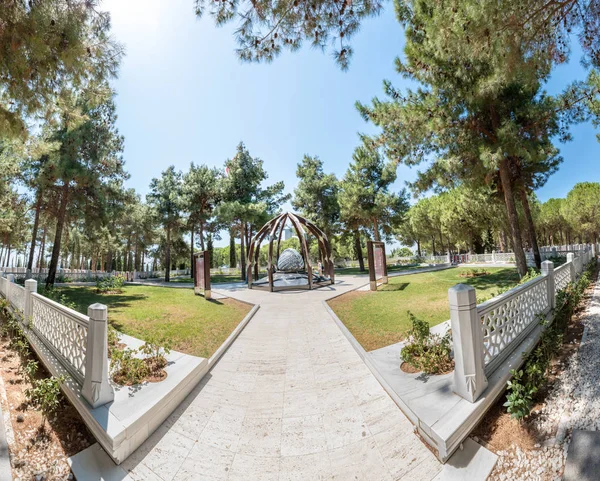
(506, 319)
(562, 277)
(504, 257)
(63, 331)
(16, 296)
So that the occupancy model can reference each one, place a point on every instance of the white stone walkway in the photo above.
(289, 400)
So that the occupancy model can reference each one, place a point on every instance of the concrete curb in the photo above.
(232, 337)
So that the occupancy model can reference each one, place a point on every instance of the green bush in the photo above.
(532, 273)
(424, 351)
(127, 368)
(155, 350)
(110, 284)
(45, 393)
(55, 294)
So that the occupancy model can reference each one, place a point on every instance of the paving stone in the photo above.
(583, 460)
(290, 400)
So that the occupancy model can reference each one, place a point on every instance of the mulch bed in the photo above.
(409, 369)
(470, 275)
(36, 452)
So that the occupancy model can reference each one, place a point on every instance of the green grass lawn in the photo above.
(351, 271)
(378, 319)
(192, 324)
(214, 278)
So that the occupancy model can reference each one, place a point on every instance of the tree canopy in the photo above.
(48, 48)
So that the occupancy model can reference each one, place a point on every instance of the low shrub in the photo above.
(57, 295)
(557, 260)
(532, 273)
(45, 394)
(127, 368)
(110, 284)
(112, 340)
(474, 273)
(155, 350)
(426, 352)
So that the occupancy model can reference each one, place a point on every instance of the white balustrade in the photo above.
(562, 277)
(16, 295)
(78, 342)
(484, 336)
(508, 318)
(63, 331)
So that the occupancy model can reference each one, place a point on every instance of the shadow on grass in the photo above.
(82, 299)
(500, 279)
(394, 287)
(215, 301)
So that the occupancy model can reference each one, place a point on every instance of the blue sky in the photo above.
(183, 96)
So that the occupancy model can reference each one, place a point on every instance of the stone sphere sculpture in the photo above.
(290, 260)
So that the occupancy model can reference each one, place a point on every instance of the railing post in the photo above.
(96, 386)
(10, 278)
(30, 288)
(571, 262)
(548, 271)
(467, 336)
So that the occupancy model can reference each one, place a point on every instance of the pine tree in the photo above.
(88, 159)
(365, 197)
(266, 28)
(582, 210)
(166, 199)
(316, 195)
(46, 46)
(476, 117)
(246, 205)
(201, 194)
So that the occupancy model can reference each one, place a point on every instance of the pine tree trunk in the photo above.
(109, 260)
(202, 235)
(60, 223)
(232, 256)
(243, 252)
(530, 228)
(168, 256)
(34, 230)
(418, 248)
(128, 258)
(376, 231)
(8, 254)
(42, 248)
(358, 251)
(433, 245)
(192, 263)
(513, 217)
(137, 254)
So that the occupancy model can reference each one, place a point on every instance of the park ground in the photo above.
(235, 276)
(378, 319)
(192, 324)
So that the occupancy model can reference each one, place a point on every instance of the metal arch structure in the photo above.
(274, 229)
